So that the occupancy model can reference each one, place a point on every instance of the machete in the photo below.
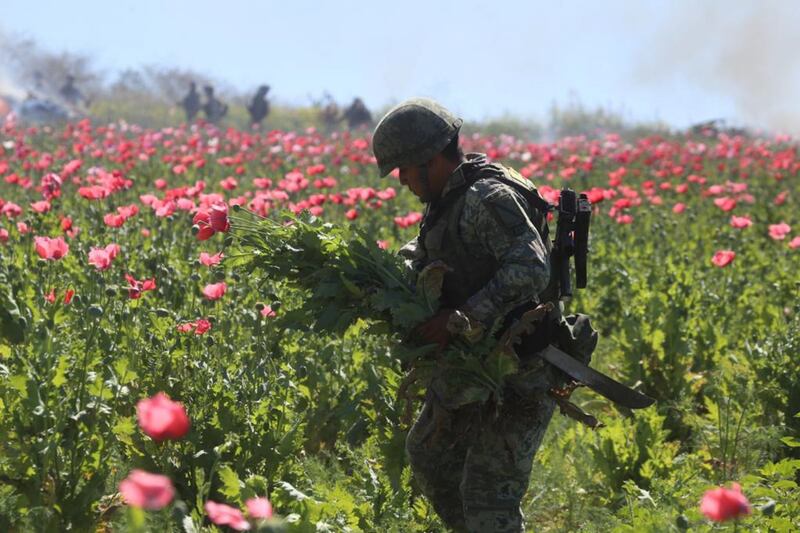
(600, 383)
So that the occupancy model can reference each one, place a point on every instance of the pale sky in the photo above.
(676, 61)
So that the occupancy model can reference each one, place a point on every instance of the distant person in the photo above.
(71, 94)
(191, 102)
(259, 106)
(213, 108)
(357, 114)
(329, 112)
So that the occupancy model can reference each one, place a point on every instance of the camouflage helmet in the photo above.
(412, 132)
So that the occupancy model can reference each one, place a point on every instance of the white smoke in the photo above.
(748, 51)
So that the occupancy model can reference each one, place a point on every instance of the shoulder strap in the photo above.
(532, 197)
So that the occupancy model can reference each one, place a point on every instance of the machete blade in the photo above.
(600, 383)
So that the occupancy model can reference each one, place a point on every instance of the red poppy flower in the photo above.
(161, 418)
(218, 218)
(146, 490)
(723, 504)
(723, 258)
(136, 287)
(203, 221)
(199, 326)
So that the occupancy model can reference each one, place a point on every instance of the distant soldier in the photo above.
(71, 94)
(329, 112)
(259, 106)
(191, 102)
(357, 114)
(213, 108)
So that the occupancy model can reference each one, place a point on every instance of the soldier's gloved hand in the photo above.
(434, 330)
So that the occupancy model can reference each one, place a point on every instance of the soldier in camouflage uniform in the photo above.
(479, 219)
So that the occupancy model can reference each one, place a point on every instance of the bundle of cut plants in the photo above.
(345, 277)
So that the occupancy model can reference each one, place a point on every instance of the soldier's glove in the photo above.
(434, 330)
(461, 324)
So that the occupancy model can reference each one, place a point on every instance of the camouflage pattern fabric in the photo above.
(491, 231)
(474, 469)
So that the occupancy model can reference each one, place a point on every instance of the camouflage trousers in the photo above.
(473, 468)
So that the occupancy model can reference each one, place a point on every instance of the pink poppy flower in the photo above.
(113, 220)
(741, 222)
(723, 258)
(218, 218)
(203, 222)
(225, 515)
(259, 508)
(199, 326)
(780, 198)
(11, 210)
(229, 183)
(795, 243)
(267, 312)
(723, 504)
(725, 203)
(42, 206)
(3, 235)
(211, 260)
(51, 249)
(383, 245)
(351, 214)
(214, 291)
(146, 490)
(101, 257)
(161, 418)
(779, 231)
(679, 208)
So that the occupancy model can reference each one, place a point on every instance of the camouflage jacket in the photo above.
(499, 258)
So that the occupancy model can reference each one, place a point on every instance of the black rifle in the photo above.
(572, 240)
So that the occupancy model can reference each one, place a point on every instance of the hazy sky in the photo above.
(677, 61)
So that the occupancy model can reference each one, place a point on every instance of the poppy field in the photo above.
(150, 382)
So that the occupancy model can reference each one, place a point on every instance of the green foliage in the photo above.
(303, 406)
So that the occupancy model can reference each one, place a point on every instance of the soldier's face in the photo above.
(411, 177)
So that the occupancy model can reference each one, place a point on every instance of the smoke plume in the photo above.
(747, 51)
